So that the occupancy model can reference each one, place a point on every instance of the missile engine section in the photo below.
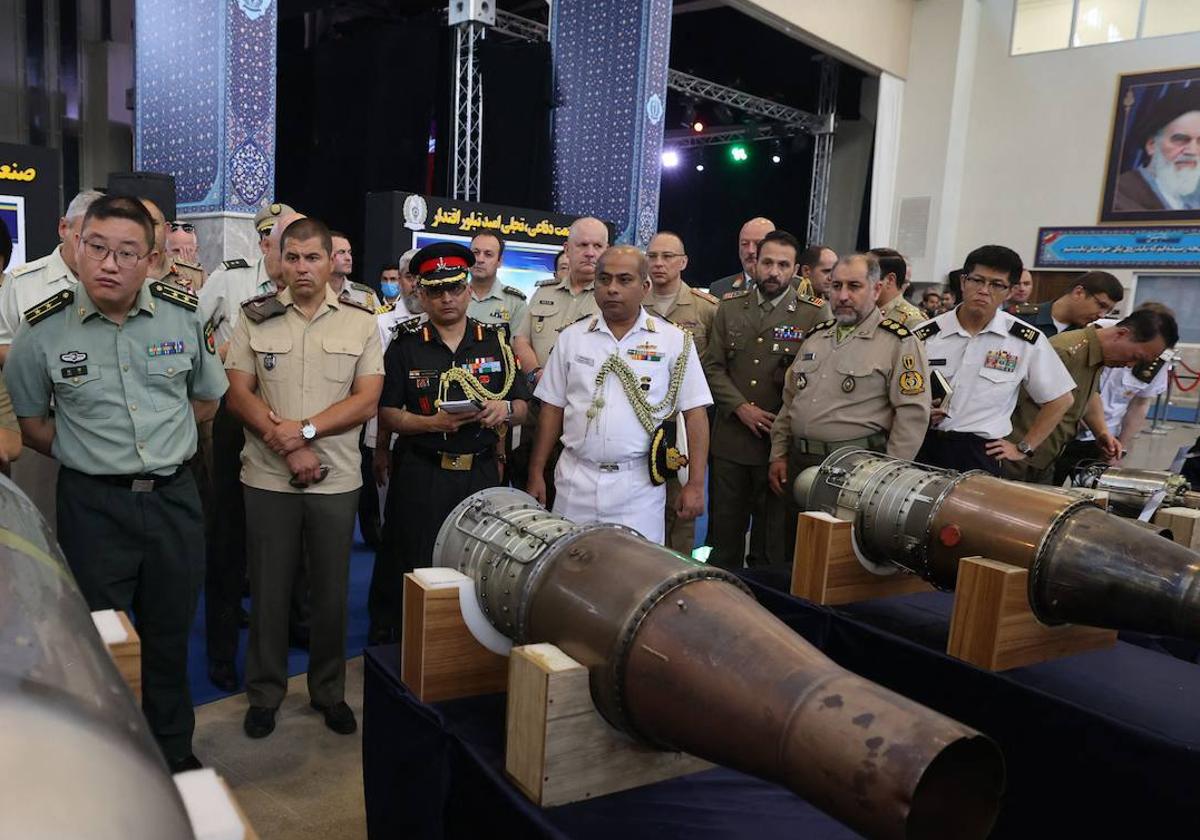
(1136, 492)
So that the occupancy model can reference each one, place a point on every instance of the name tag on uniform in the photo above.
(422, 379)
(787, 333)
(936, 362)
(807, 357)
(71, 372)
(585, 360)
(1001, 360)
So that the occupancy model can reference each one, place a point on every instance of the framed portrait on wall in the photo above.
(1153, 172)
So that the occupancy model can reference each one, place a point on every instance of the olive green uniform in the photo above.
(752, 344)
(691, 310)
(902, 312)
(501, 305)
(129, 516)
(1080, 351)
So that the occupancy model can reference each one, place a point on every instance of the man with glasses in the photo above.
(979, 359)
(130, 369)
(689, 309)
(1092, 296)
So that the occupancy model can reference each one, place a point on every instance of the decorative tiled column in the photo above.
(610, 67)
(205, 113)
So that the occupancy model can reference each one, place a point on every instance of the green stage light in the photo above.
(738, 154)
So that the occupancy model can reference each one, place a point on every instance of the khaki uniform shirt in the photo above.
(188, 276)
(121, 393)
(1081, 354)
(693, 310)
(501, 305)
(751, 347)
(302, 368)
(554, 306)
(231, 285)
(28, 285)
(872, 381)
(361, 294)
(902, 312)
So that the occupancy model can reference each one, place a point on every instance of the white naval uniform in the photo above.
(988, 370)
(1119, 387)
(603, 473)
(28, 285)
(222, 295)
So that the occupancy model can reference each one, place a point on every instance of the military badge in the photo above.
(788, 333)
(1001, 360)
(911, 383)
(210, 337)
(269, 361)
(801, 381)
(645, 352)
(73, 357)
(167, 348)
(848, 384)
(644, 383)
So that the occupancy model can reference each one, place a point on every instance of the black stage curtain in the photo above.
(516, 123)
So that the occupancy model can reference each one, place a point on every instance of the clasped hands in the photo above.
(285, 438)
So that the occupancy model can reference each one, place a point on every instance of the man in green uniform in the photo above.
(895, 279)
(130, 368)
(753, 342)
(492, 302)
(1140, 338)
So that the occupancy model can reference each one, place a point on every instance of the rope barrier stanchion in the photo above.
(1162, 408)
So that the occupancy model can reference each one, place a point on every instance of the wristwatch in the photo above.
(308, 430)
(508, 405)
(1025, 449)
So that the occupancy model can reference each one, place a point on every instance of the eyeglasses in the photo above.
(996, 287)
(124, 257)
(186, 227)
(663, 255)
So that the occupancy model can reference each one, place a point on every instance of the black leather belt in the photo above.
(137, 483)
(455, 461)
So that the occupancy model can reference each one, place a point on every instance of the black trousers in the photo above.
(1072, 455)
(960, 451)
(142, 553)
(226, 574)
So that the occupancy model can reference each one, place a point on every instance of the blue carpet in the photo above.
(362, 559)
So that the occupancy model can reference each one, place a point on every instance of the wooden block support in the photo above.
(559, 749)
(826, 571)
(1184, 524)
(439, 658)
(993, 627)
(128, 656)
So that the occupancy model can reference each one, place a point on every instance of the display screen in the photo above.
(12, 214)
(524, 263)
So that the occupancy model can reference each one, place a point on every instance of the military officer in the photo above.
(896, 277)
(858, 380)
(555, 304)
(753, 342)
(986, 357)
(1018, 297)
(611, 382)
(1094, 294)
(221, 302)
(305, 372)
(130, 369)
(750, 234)
(689, 309)
(343, 286)
(451, 449)
(1138, 339)
(492, 302)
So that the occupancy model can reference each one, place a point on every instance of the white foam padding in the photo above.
(209, 806)
(110, 628)
(441, 577)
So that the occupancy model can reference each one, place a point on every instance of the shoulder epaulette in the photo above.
(259, 309)
(1025, 309)
(25, 268)
(895, 328)
(409, 325)
(193, 266)
(1025, 332)
(810, 300)
(703, 295)
(824, 325)
(54, 303)
(1146, 371)
(549, 281)
(513, 290)
(932, 328)
(362, 287)
(238, 263)
(175, 295)
(385, 308)
(349, 301)
(735, 295)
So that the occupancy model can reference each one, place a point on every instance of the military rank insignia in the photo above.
(269, 361)
(166, 348)
(210, 337)
(848, 384)
(801, 381)
(1024, 332)
(911, 380)
(1001, 360)
(787, 333)
(645, 352)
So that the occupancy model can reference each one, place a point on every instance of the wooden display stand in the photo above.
(128, 656)
(826, 571)
(559, 749)
(1184, 524)
(991, 626)
(439, 658)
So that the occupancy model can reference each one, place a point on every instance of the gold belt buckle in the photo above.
(452, 461)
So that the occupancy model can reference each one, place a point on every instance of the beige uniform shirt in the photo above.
(554, 306)
(303, 367)
(693, 310)
(361, 294)
(872, 381)
(902, 312)
(752, 344)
